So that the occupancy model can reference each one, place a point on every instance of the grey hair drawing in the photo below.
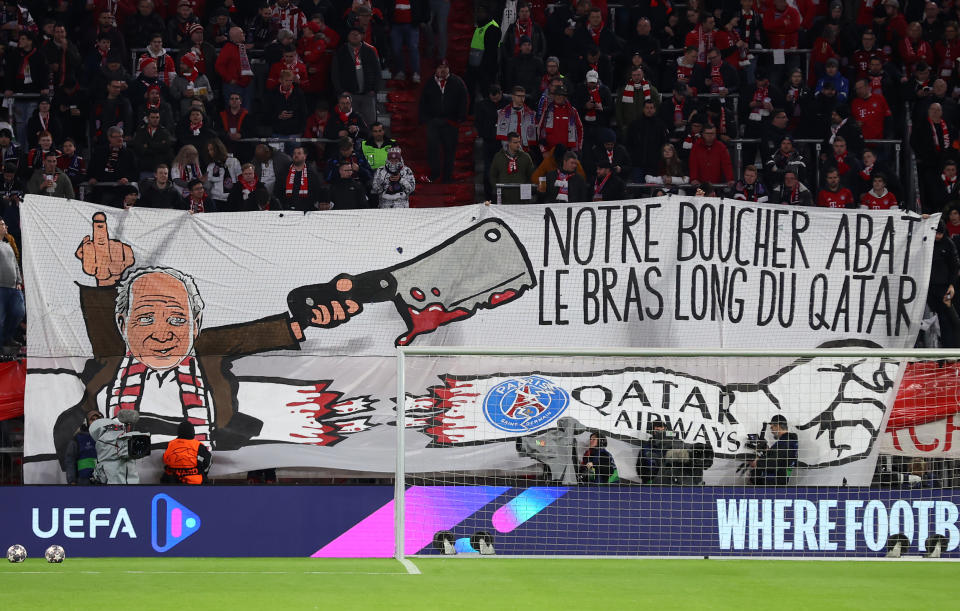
(124, 287)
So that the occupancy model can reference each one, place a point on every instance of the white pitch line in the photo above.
(410, 566)
(56, 572)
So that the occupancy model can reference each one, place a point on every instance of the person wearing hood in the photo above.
(190, 85)
(394, 182)
(186, 460)
(607, 149)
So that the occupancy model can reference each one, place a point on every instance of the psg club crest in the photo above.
(523, 405)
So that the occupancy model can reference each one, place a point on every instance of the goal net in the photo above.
(820, 453)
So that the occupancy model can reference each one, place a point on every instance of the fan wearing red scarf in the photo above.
(932, 141)
(593, 32)
(300, 187)
(702, 37)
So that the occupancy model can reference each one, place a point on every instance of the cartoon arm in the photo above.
(333, 303)
(102, 257)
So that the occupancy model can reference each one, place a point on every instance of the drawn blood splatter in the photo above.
(320, 406)
(443, 417)
(498, 298)
(429, 319)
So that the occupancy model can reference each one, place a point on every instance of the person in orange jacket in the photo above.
(186, 460)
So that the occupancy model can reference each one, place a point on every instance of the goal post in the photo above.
(821, 453)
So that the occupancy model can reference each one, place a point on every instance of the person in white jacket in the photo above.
(222, 173)
(394, 182)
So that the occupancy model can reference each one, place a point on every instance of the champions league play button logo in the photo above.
(524, 404)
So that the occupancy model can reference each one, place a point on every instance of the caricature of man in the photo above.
(152, 354)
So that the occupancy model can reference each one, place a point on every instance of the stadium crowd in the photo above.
(229, 105)
(800, 103)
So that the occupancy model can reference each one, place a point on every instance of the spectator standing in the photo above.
(631, 100)
(270, 165)
(483, 61)
(560, 123)
(286, 108)
(112, 162)
(112, 111)
(11, 293)
(607, 186)
(72, 163)
(443, 106)
(190, 85)
(300, 188)
(564, 184)
(197, 200)
(234, 68)
(405, 18)
(931, 141)
(510, 166)
(879, 198)
(166, 67)
(941, 290)
(356, 70)
(791, 191)
(222, 172)
(160, 192)
(524, 69)
(196, 131)
(236, 123)
(646, 137)
(439, 14)
(26, 71)
(376, 147)
(710, 160)
(140, 27)
(248, 193)
(787, 157)
(345, 121)
(522, 26)
(394, 182)
(186, 168)
(50, 180)
(749, 188)
(519, 118)
(834, 195)
(152, 143)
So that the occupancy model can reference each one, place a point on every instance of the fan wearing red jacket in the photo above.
(313, 49)
(782, 24)
(710, 160)
(835, 196)
(290, 62)
(233, 66)
(914, 49)
(878, 198)
(947, 52)
(701, 38)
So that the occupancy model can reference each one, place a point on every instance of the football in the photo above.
(55, 554)
(16, 553)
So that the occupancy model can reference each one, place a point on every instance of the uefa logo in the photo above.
(524, 405)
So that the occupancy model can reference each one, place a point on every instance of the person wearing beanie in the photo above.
(186, 459)
(190, 85)
(394, 182)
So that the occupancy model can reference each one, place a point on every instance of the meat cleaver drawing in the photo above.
(482, 267)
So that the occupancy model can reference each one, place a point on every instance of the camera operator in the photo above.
(186, 460)
(650, 458)
(597, 465)
(117, 448)
(773, 466)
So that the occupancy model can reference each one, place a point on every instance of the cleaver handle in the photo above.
(369, 287)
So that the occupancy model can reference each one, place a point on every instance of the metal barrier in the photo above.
(818, 147)
(533, 191)
(296, 139)
(84, 187)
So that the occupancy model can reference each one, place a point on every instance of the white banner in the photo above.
(276, 331)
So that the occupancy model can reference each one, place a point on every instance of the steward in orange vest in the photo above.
(186, 460)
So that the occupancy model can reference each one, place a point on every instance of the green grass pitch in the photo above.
(475, 583)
